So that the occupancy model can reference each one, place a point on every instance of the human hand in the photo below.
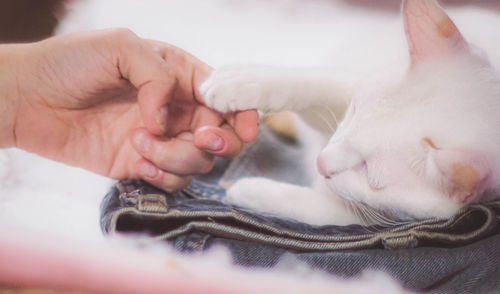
(121, 106)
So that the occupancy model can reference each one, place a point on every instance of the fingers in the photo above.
(173, 155)
(153, 99)
(163, 75)
(169, 163)
(159, 178)
(246, 125)
(154, 79)
(185, 74)
(214, 136)
(191, 71)
(221, 141)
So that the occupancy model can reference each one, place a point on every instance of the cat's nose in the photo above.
(321, 167)
(338, 158)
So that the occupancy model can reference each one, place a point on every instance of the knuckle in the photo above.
(123, 34)
(169, 78)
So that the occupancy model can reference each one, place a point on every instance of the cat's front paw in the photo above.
(236, 88)
(231, 89)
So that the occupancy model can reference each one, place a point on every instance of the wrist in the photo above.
(9, 97)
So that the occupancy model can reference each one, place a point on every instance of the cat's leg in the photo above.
(301, 203)
(272, 89)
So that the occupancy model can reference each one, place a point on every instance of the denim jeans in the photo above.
(458, 255)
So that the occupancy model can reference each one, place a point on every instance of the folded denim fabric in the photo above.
(457, 255)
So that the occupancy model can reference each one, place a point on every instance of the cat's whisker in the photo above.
(328, 124)
(356, 211)
(370, 220)
(333, 115)
(359, 213)
(367, 223)
(370, 216)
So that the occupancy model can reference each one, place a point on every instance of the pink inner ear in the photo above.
(430, 32)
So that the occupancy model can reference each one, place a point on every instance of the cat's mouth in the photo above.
(361, 168)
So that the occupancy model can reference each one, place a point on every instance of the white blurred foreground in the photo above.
(117, 267)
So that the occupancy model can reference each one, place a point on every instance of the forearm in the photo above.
(305, 88)
(9, 56)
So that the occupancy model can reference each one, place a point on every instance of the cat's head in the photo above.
(428, 144)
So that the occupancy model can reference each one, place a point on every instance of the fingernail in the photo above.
(161, 117)
(142, 143)
(213, 142)
(148, 170)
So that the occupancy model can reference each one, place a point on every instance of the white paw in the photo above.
(287, 200)
(265, 195)
(231, 89)
(236, 88)
(256, 193)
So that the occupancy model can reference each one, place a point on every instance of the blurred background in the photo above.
(31, 20)
(28, 20)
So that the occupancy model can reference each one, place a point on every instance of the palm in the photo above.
(99, 139)
(93, 136)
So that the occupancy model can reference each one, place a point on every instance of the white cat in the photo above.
(421, 145)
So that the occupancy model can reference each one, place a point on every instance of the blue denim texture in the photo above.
(459, 255)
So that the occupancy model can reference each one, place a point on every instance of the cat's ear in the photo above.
(430, 32)
(463, 173)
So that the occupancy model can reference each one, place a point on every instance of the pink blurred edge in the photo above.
(36, 260)
(47, 261)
